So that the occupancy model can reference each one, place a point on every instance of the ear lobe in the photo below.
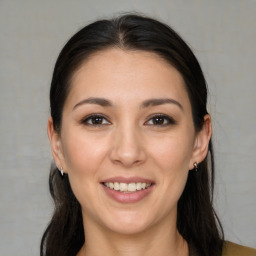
(55, 142)
(202, 142)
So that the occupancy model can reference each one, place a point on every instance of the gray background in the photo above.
(222, 34)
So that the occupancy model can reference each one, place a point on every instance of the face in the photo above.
(127, 140)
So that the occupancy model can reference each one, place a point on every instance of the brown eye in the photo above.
(160, 120)
(95, 120)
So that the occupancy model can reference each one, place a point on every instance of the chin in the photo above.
(129, 229)
(128, 223)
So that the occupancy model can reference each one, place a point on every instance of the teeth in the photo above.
(123, 187)
(116, 186)
(127, 187)
(138, 186)
(131, 187)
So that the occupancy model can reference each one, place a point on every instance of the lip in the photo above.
(127, 197)
(128, 180)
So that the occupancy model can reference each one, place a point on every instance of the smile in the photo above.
(127, 187)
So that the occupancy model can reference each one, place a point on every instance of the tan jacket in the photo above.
(231, 249)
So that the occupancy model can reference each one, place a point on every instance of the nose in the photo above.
(127, 147)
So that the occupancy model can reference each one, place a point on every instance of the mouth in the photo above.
(127, 187)
(128, 190)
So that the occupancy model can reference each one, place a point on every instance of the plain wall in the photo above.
(222, 34)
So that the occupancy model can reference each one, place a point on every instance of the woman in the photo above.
(130, 135)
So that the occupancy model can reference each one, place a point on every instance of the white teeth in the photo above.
(116, 186)
(123, 187)
(127, 187)
(138, 186)
(131, 187)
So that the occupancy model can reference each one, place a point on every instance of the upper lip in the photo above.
(121, 179)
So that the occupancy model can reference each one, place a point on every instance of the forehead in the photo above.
(127, 74)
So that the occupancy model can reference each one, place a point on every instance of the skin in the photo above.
(129, 142)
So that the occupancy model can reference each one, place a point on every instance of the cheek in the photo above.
(83, 153)
(173, 153)
(83, 157)
(170, 157)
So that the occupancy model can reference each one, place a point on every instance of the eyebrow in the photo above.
(156, 102)
(98, 101)
(147, 103)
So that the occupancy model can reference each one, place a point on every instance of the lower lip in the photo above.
(128, 197)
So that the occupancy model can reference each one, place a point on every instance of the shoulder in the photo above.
(231, 249)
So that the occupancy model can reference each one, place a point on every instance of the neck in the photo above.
(161, 240)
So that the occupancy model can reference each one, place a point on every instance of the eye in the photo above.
(95, 120)
(160, 120)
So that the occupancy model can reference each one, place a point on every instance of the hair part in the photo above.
(197, 221)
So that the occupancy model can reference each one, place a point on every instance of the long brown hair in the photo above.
(197, 222)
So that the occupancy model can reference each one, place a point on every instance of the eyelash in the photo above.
(86, 120)
(167, 120)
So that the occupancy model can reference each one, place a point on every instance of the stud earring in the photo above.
(195, 166)
(61, 171)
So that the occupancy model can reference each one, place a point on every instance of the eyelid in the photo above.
(90, 116)
(170, 120)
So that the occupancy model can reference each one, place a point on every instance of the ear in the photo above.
(55, 141)
(201, 142)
